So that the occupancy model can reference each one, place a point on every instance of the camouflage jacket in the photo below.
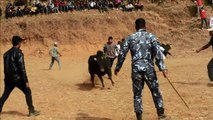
(144, 47)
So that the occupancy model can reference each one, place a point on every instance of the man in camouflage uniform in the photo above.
(144, 47)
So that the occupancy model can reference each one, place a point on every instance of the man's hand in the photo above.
(165, 73)
(116, 72)
(27, 85)
(197, 51)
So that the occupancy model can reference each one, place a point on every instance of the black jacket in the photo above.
(14, 67)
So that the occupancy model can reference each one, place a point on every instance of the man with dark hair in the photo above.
(144, 46)
(210, 64)
(15, 75)
(109, 50)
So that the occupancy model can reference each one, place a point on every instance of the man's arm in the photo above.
(59, 54)
(203, 48)
(21, 67)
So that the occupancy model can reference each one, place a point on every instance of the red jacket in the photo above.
(199, 2)
(203, 13)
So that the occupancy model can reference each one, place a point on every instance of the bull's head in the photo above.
(100, 60)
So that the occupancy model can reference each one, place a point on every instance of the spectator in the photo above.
(203, 17)
(199, 4)
(70, 6)
(19, 12)
(139, 6)
(62, 6)
(110, 4)
(109, 50)
(26, 10)
(56, 6)
(92, 5)
(117, 49)
(33, 10)
(117, 3)
(129, 7)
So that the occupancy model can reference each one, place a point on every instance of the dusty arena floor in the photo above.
(67, 94)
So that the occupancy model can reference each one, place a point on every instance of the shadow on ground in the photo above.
(83, 116)
(85, 86)
(14, 113)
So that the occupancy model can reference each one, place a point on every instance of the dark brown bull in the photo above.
(99, 65)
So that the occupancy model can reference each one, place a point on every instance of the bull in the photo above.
(99, 65)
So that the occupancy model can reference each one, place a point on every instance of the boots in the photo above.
(139, 116)
(161, 115)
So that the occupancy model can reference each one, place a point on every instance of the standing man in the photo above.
(143, 46)
(210, 64)
(109, 50)
(15, 75)
(203, 17)
(199, 4)
(55, 55)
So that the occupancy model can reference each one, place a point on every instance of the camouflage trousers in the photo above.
(149, 77)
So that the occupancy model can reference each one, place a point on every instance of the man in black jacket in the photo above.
(15, 75)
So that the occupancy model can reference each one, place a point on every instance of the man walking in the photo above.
(15, 75)
(210, 64)
(109, 50)
(143, 46)
(55, 56)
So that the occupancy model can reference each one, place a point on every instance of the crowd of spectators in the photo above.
(19, 8)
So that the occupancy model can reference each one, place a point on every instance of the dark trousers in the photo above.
(9, 86)
(202, 21)
(111, 61)
(210, 69)
(52, 62)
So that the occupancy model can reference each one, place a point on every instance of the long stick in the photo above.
(177, 93)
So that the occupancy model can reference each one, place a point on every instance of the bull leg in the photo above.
(92, 79)
(102, 82)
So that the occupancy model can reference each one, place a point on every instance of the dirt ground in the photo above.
(67, 94)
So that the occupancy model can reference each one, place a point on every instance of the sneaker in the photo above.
(163, 117)
(34, 113)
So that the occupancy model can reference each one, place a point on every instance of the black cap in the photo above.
(16, 40)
